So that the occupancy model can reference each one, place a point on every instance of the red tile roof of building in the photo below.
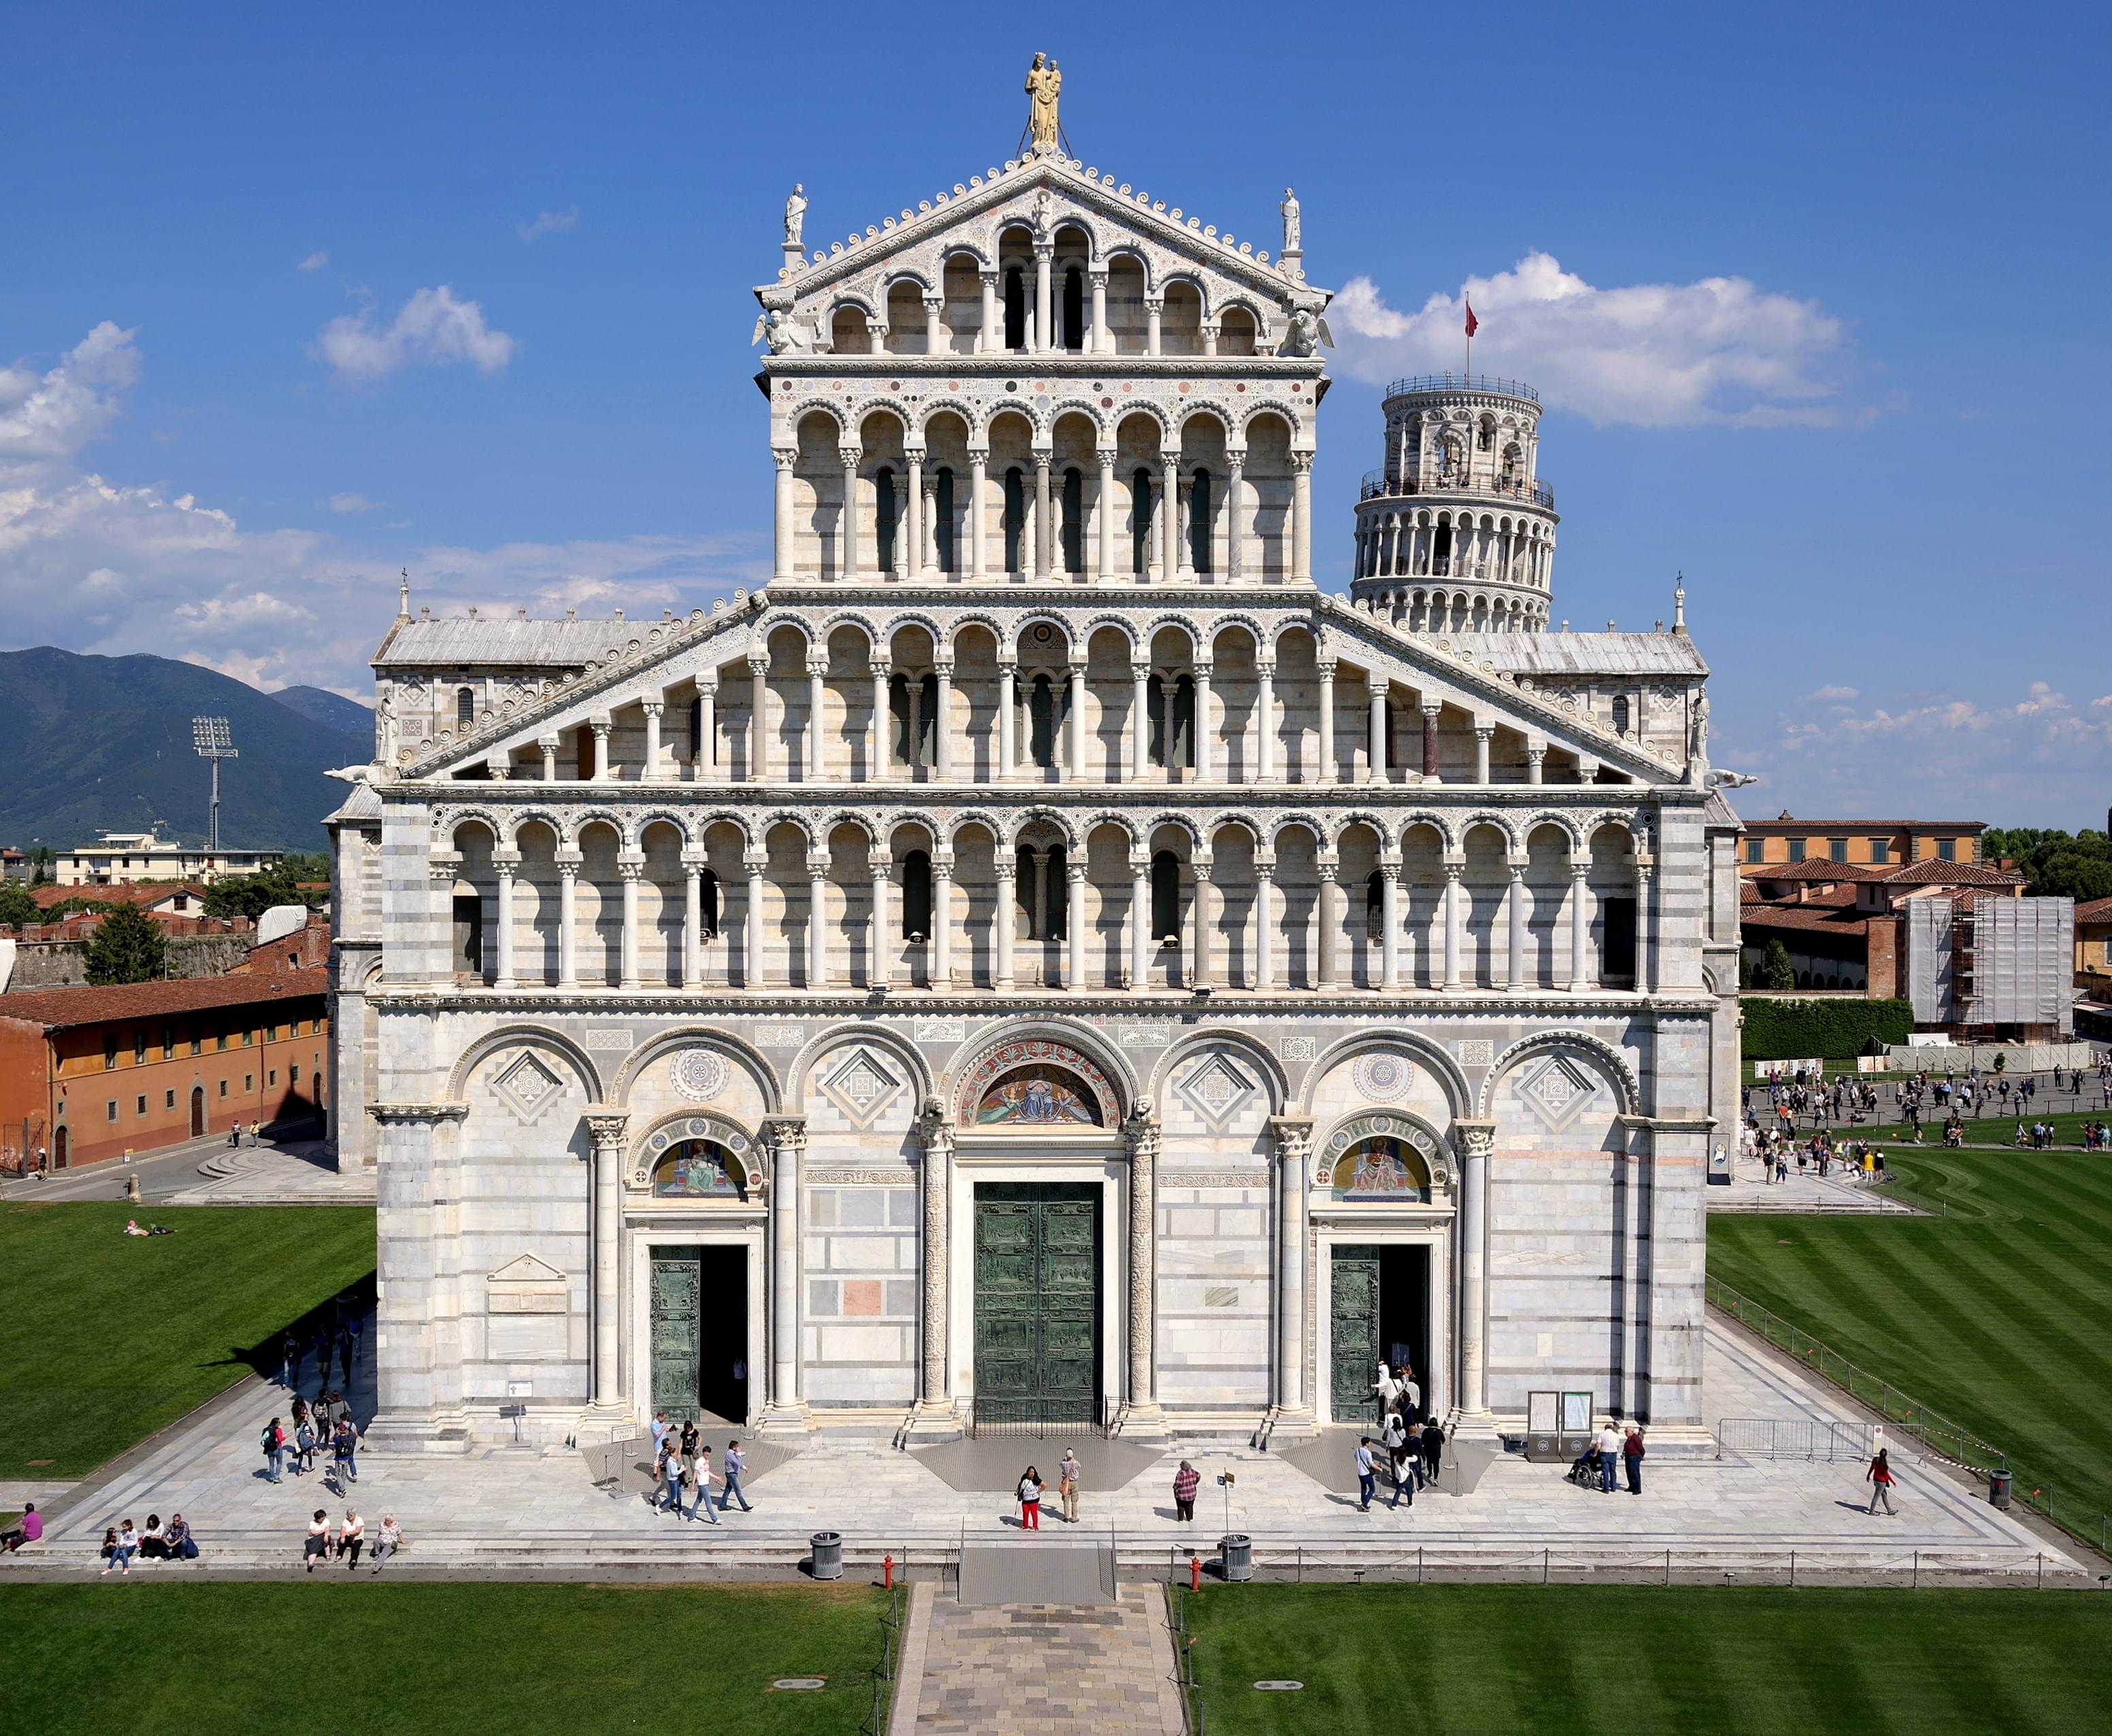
(119, 892)
(1819, 917)
(1790, 821)
(60, 1008)
(2097, 910)
(1810, 870)
(1950, 874)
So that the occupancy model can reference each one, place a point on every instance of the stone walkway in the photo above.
(1748, 1191)
(527, 1510)
(1034, 1669)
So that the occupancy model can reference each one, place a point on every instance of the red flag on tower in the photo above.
(1473, 325)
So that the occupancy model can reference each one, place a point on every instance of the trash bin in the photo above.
(1998, 1489)
(828, 1546)
(1237, 1550)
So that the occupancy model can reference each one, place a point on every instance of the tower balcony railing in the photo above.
(1463, 383)
(1378, 483)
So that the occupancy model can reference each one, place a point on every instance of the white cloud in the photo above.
(548, 223)
(433, 326)
(147, 567)
(1656, 355)
(352, 503)
(314, 263)
(1936, 754)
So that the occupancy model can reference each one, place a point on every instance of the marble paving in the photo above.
(501, 1509)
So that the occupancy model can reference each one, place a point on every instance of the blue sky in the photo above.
(291, 299)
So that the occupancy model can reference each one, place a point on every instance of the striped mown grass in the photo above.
(1998, 1316)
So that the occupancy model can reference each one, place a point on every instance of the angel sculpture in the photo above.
(777, 326)
(1306, 332)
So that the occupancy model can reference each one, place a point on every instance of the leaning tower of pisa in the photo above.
(1456, 531)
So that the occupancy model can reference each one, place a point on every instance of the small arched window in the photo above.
(707, 902)
(922, 749)
(1041, 721)
(1486, 439)
(465, 707)
(1015, 308)
(1513, 465)
(1139, 519)
(1165, 897)
(1620, 715)
(1015, 519)
(917, 895)
(884, 516)
(1073, 537)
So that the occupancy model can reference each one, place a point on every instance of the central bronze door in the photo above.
(1037, 1301)
(1353, 1348)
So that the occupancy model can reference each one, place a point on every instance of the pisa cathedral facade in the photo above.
(1041, 957)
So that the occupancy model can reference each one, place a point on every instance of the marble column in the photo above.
(1206, 728)
(942, 920)
(548, 744)
(935, 1134)
(1099, 342)
(1003, 921)
(1331, 925)
(1265, 722)
(1514, 963)
(1294, 1164)
(1453, 899)
(1579, 929)
(1482, 734)
(785, 1411)
(1153, 306)
(653, 710)
(1236, 540)
(1104, 510)
(1199, 966)
(785, 459)
(1142, 1136)
(705, 750)
(1301, 516)
(1378, 747)
(751, 964)
(693, 917)
(1139, 720)
(606, 1127)
(1169, 514)
(1075, 772)
(1476, 1140)
(883, 722)
(1327, 768)
(816, 697)
(1044, 335)
(942, 724)
(1141, 939)
(1008, 673)
(1645, 928)
(758, 720)
(978, 472)
(1429, 761)
(1389, 926)
(505, 861)
(632, 869)
(847, 530)
(600, 728)
(568, 919)
(1038, 902)
(1045, 520)
(989, 335)
(1534, 758)
(1074, 927)
(817, 922)
(880, 965)
(1264, 952)
(934, 337)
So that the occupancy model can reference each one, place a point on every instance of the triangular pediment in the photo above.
(525, 1268)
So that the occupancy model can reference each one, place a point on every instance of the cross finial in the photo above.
(403, 596)
(1679, 602)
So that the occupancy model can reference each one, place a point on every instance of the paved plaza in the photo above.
(531, 1510)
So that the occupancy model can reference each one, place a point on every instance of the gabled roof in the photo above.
(506, 641)
(2096, 910)
(1950, 874)
(1580, 653)
(1820, 872)
(65, 1008)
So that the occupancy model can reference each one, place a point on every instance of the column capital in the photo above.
(1475, 1138)
(934, 303)
(787, 1134)
(1301, 463)
(1328, 870)
(1484, 731)
(1265, 667)
(1141, 672)
(505, 860)
(1140, 1132)
(758, 662)
(1325, 666)
(817, 868)
(851, 455)
(978, 454)
(1235, 458)
(569, 862)
(1294, 1137)
(1201, 666)
(1007, 666)
(630, 867)
(942, 863)
(695, 856)
(1518, 865)
(549, 744)
(1097, 274)
(602, 724)
(1044, 456)
(1390, 867)
(1579, 870)
(935, 1129)
(785, 457)
(1074, 872)
(1431, 707)
(1202, 863)
(707, 684)
(882, 666)
(652, 708)
(943, 667)
(1453, 866)
(1264, 867)
(442, 865)
(1154, 303)
(755, 863)
(913, 451)
(1006, 867)
(606, 1126)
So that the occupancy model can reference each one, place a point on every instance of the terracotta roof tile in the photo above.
(1950, 874)
(1813, 870)
(59, 1007)
(1806, 916)
(2097, 910)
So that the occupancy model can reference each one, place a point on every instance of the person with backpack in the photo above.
(273, 1441)
(345, 1447)
(304, 1445)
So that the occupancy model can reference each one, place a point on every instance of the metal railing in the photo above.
(1184, 1659)
(1002, 1418)
(1463, 383)
(891, 1656)
(1377, 483)
(1795, 1438)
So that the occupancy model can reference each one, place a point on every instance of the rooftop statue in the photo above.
(1044, 82)
(1292, 243)
(795, 214)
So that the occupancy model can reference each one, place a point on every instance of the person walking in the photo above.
(351, 1539)
(1879, 1477)
(736, 1467)
(1068, 1468)
(289, 1362)
(273, 1441)
(688, 1439)
(1632, 1457)
(1433, 1448)
(701, 1502)
(660, 1427)
(1405, 1470)
(668, 1477)
(1368, 1480)
(317, 1547)
(1609, 1454)
(345, 1447)
(387, 1541)
(344, 1352)
(1030, 1500)
(1185, 1482)
(304, 1445)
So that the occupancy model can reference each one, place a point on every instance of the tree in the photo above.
(252, 895)
(127, 947)
(1775, 972)
(16, 906)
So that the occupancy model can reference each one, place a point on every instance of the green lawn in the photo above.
(106, 1337)
(1998, 1316)
(1691, 1660)
(1988, 1130)
(358, 1657)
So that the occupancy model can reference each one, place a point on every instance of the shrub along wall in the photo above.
(1792, 1030)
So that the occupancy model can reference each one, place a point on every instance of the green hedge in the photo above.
(1798, 1030)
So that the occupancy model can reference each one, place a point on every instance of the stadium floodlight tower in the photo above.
(213, 742)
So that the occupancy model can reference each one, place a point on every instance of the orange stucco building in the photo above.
(88, 1074)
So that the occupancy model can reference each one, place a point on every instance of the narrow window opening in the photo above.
(1165, 897)
(1015, 519)
(1015, 308)
(915, 895)
(943, 529)
(1139, 536)
(1074, 309)
(1074, 521)
(465, 707)
(1198, 522)
(884, 517)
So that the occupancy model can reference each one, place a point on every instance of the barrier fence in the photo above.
(891, 1656)
(1936, 1435)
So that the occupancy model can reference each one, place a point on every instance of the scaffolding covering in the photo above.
(2023, 962)
(1930, 983)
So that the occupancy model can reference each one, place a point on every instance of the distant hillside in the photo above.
(104, 744)
(332, 710)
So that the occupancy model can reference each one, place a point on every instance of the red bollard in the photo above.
(887, 1569)
(1195, 1571)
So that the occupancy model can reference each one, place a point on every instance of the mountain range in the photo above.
(103, 744)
